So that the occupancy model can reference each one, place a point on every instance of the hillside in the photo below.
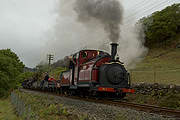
(162, 37)
(161, 65)
(161, 59)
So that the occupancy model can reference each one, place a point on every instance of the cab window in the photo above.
(84, 54)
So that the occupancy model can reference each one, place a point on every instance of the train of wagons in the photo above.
(91, 73)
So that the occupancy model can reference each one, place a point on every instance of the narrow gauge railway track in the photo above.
(122, 103)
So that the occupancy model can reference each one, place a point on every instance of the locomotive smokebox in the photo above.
(113, 51)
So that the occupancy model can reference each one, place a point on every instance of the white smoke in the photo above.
(70, 35)
(131, 49)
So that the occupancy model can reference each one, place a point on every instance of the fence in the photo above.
(22, 109)
(162, 77)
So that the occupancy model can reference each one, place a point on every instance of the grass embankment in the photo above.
(159, 66)
(44, 107)
(170, 99)
(6, 110)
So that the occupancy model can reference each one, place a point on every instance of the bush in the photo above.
(162, 26)
(10, 68)
(21, 77)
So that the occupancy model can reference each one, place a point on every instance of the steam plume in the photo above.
(70, 35)
(105, 12)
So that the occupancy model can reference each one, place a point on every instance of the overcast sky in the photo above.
(24, 24)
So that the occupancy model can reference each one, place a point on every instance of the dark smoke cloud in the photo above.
(106, 12)
(77, 28)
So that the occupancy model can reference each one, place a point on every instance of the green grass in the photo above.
(160, 65)
(6, 110)
(169, 99)
(56, 72)
(44, 107)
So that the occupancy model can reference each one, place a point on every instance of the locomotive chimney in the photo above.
(113, 51)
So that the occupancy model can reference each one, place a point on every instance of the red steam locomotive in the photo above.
(97, 73)
(91, 73)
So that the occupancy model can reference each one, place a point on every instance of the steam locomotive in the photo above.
(93, 72)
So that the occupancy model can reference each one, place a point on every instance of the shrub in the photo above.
(10, 68)
(162, 27)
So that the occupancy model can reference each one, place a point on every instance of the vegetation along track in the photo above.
(123, 103)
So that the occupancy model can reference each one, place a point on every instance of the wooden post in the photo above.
(50, 58)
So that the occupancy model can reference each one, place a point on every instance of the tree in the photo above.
(162, 26)
(10, 68)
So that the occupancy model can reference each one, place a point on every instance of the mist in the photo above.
(79, 28)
